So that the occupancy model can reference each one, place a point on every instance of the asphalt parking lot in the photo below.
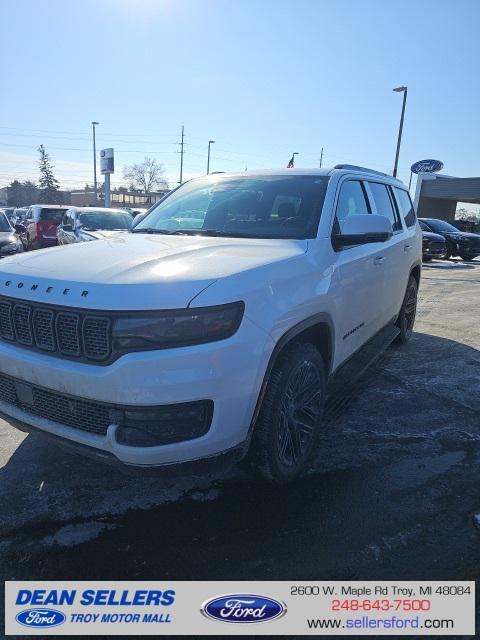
(393, 492)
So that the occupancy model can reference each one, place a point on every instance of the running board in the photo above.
(357, 364)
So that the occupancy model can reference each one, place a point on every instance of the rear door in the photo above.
(394, 251)
(357, 280)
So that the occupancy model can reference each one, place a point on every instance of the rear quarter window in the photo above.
(406, 207)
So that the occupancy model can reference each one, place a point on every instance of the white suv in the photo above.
(210, 332)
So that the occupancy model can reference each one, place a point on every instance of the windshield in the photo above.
(264, 206)
(4, 224)
(105, 220)
(441, 226)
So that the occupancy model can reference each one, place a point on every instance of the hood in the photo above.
(99, 234)
(429, 235)
(136, 271)
(464, 235)
(6, 237)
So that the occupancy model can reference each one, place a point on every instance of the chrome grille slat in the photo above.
(58, 330)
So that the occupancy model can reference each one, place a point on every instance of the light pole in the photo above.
(210, 142)
(94, 162)
(403, 90)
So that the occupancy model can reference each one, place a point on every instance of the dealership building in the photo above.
(437, 195)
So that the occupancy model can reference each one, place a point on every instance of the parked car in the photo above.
(81, 224)
(10, 243)
(433, 244)
(20, 214)
(458, 243)
(41, 224)
(211, 331)
(10, 213)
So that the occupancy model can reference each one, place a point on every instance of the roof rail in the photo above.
(354, 167)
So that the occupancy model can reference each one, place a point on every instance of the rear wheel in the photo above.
(290, 418)
(406, 317)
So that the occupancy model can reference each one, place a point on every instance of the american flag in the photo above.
(291, 164)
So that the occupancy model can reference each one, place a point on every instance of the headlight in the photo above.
(162, 329)
(9, 247)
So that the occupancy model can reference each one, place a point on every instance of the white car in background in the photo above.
(81, 224)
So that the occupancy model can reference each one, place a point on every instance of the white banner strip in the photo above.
(240, 608)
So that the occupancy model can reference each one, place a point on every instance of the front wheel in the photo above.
(406, 317)
(289, 422)
(466, 258)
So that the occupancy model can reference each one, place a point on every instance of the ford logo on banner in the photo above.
(40, 618)
(426, 166)
(243, 608)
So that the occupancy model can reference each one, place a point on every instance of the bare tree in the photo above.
(147, 175)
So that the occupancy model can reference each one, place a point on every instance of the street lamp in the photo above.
(94, 163)
(403, 90)
(210, 142)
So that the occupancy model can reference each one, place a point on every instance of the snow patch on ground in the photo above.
(74, 534)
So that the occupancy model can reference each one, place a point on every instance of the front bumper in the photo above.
(228, 372)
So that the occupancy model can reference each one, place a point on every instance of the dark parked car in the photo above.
(433, 244)
(459, 243)
(10, 243)
(41, 224)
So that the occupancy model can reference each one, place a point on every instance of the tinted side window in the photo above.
(406, 207)
(384, 204)
(351, 201)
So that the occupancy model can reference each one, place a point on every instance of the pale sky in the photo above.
(263, 78)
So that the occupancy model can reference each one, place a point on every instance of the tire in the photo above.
(447, 255)
(427, 258)
(406, 317)
(289, 422)
(467, 258)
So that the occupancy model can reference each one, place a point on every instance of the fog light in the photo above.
(153, 426)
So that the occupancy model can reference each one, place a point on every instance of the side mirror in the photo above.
(138, 218)
(20, 228)
(363, 229)
(67, 227)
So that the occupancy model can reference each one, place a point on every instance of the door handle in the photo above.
(407, 247)
(379, 260)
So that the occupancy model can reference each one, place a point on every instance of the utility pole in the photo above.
(321, 157)
(181, 155)
(403, 90)
(94, 163)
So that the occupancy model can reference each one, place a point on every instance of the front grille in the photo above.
(69, 333)
(73, 412)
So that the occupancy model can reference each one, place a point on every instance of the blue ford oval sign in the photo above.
(426, 166)
(243, 608)
(40, 618)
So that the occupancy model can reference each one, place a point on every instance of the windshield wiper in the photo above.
(151, 230)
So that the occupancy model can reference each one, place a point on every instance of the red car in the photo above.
(41, 224)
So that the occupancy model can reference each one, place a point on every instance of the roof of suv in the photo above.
(328, 171)
(51, 206)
